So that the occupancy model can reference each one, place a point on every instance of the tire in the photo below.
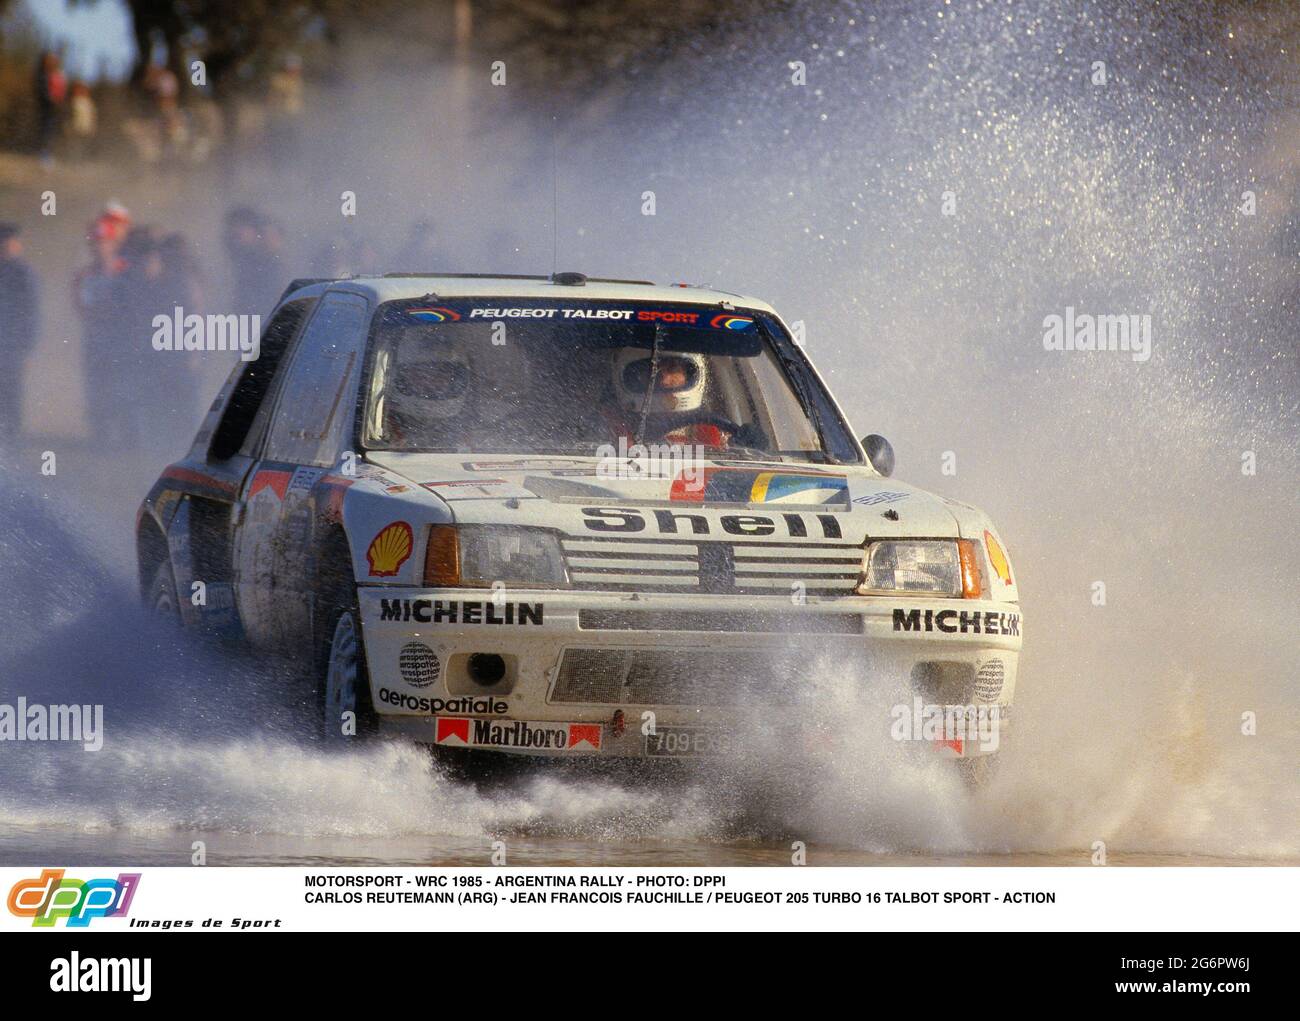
(161, 597)
(344, 684)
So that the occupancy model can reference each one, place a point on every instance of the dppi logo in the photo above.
(51, 897)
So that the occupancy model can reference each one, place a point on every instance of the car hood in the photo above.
(750, 498)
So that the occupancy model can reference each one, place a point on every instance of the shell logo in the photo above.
(390, 549)
(997, 558)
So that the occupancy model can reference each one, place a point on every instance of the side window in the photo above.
(235, 431)
(317, 400)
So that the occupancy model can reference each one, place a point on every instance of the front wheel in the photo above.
(345, 707)
(161, 597)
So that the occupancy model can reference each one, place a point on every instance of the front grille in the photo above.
(754, 568)
(674, 677)
(590, 675)
(711, 620)
(627, 564)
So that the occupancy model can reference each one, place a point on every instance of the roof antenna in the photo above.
(555, 202)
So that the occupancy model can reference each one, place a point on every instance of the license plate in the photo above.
(683, 742)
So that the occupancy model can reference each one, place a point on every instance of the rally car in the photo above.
(566, 517)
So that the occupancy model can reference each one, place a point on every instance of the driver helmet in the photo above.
(431, 381)
(680, 380)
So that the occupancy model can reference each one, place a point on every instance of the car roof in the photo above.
(395, 286)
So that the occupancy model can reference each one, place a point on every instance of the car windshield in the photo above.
(509, 376)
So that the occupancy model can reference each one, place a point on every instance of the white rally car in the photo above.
(565, 517)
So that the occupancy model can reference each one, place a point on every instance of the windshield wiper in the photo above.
(815, 456)
(795, 371)
(744, 453)
(650, 384)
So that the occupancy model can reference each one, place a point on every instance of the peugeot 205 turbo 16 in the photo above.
(565, 517)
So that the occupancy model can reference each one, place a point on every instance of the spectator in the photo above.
(129, 365)
(97, 298)
(51, 91)
(179, 286)
(83, 120)
(285, 92)
(284, 103)
(253, 244)
(170, 128)
(18, 322)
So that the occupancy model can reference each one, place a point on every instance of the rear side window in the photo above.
(314, 410)
(250, 392)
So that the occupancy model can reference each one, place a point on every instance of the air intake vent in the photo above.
(676, 677)
(705, 620)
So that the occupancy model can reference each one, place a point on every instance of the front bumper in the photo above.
(585, 673)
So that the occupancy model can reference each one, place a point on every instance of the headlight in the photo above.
(941, 567)
(479, 555)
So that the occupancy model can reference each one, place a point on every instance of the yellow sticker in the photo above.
(997, 558)
(390, 549)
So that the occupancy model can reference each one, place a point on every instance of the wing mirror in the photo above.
(880, 453)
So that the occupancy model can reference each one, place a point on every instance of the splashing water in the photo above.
(827, 199)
